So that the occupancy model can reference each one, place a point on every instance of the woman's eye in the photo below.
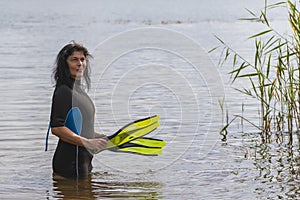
(77, 59)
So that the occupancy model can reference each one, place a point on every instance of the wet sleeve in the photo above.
(61, 104)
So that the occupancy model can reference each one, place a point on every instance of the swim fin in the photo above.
(133, 130)
(138, 149)
(143, 146)
(148, 142)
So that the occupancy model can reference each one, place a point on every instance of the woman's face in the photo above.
(77, 64)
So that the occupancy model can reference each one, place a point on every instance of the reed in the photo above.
(273, 73)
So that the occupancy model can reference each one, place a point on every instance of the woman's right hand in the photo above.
(96, 144)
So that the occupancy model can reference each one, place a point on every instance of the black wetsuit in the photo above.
(65, 157)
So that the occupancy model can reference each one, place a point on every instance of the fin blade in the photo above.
(141, 123)
(149, 142)
(133, 130)
(139, 150)
(142, 142)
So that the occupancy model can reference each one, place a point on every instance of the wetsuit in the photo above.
(65, 161)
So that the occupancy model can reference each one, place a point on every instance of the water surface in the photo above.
(197, 163)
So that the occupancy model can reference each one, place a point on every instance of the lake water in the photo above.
(149, 58)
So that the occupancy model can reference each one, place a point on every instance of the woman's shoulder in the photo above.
(62, 90)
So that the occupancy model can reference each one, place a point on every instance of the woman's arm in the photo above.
(67, 135)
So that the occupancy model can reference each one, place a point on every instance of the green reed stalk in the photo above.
(295, 25)
(274, 74)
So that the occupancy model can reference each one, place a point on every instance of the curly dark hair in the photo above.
(61, 72)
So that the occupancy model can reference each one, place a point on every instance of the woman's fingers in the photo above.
(101, 143)
(95, 144)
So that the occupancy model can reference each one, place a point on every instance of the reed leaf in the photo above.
(246, 92)
(254, 18)
(294, 24)
(260, 34)
(238, 70)
(250, 12)
(269, 43)
(254, 88)
(276, 5)
(234, 60)
(220, 40)
(213, 49)
(247, 75)
(227, 54)
(264, 18)
(275, 48)
(269, 65)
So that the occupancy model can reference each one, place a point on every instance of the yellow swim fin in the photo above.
(143, 146)
(133, 130)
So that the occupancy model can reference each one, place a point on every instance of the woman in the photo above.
(72, 157)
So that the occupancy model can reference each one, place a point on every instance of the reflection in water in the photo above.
(278, 169)
(72, 189)
(94, 188)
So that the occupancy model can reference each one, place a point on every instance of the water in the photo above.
(146, 61)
